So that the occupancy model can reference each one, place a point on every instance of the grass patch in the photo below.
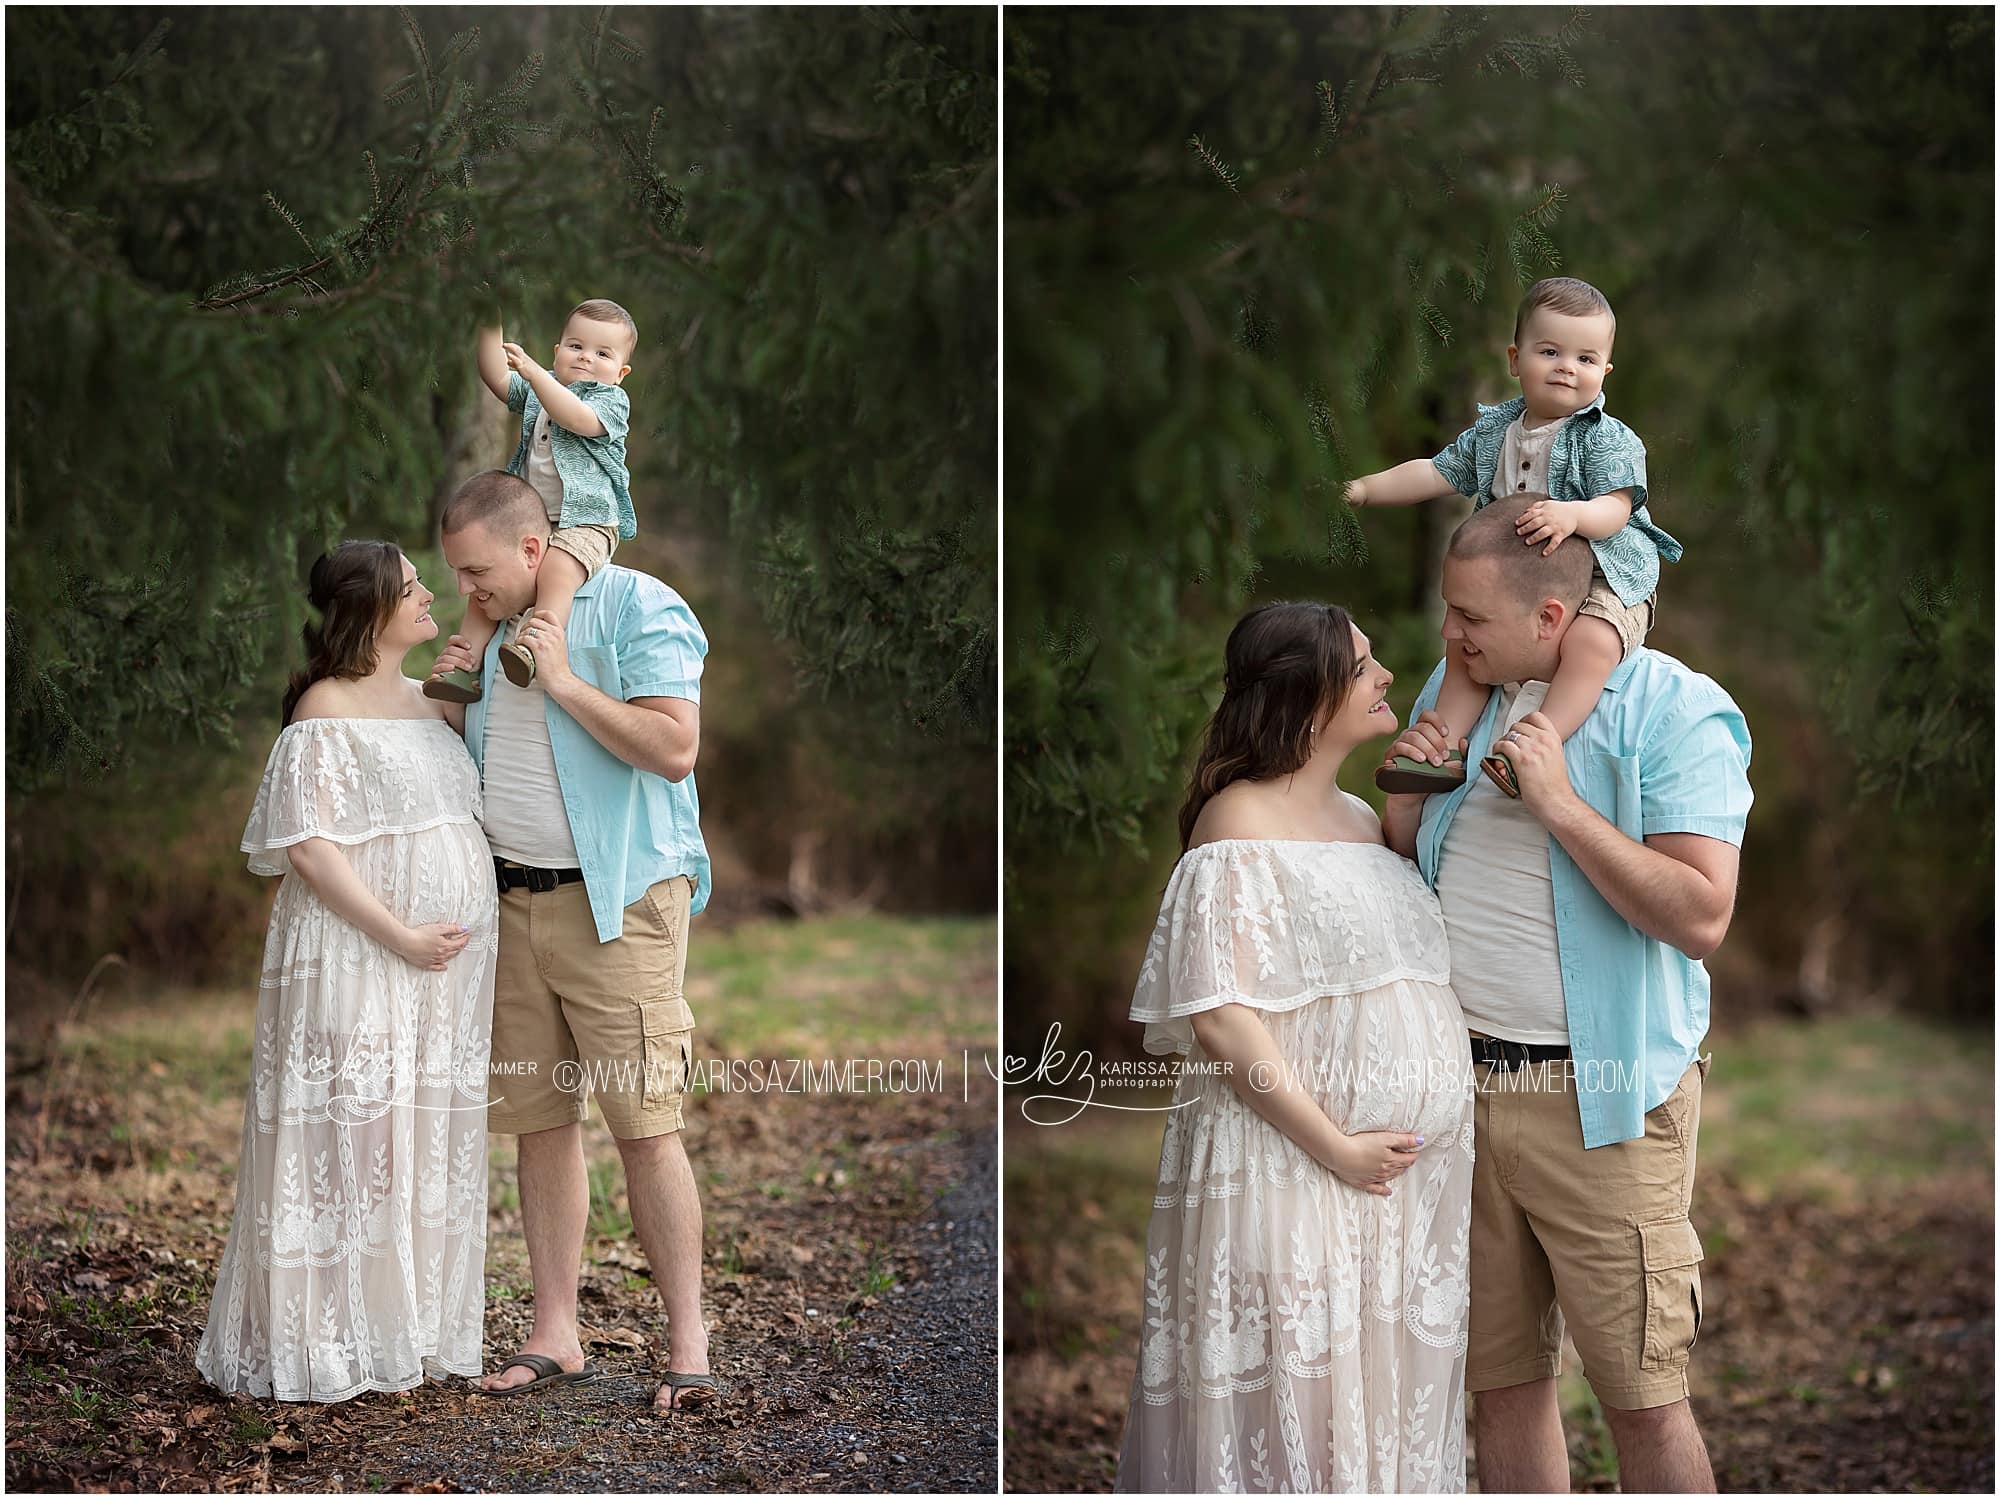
(1840, 1108)
(845, 986)
(610, 1213)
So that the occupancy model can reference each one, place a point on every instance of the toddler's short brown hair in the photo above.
(1567, 295)
(599, 310)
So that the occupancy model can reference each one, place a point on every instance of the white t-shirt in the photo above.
(1524, 457)
(540, 467)
(1499, 908)
(525, 820)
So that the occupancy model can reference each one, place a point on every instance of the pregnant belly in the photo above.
(443, 873)
(1394, 1057)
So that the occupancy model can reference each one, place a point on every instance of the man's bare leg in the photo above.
(666, 1214)
(555, 1209)
(1660, 1451)
(1520, 1438)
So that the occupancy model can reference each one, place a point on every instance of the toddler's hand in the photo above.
(1357, 492)
(518, 360)
(1547, 520)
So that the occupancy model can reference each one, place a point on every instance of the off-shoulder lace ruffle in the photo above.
(352, 779)
(1275, 924)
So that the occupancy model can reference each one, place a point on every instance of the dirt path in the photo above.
(848, 1285)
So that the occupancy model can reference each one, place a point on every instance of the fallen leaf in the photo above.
(282, 1440)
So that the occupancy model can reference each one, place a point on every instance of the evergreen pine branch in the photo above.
(286, 214)
(1475, 275)
(461, 43)
(1548, 207)
(417, 45)
(1214, 163)
(1329, 116)
(627, 49)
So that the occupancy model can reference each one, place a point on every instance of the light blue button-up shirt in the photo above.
(1666, 750)
(629, 636)
(1593, 454)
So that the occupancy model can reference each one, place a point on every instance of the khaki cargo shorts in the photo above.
(592, 546)
(1595, 1241)
(574, 1018)
(1633, 622)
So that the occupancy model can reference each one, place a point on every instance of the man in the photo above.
(588, 781)
(1578, 917)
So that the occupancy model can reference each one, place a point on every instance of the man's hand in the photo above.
(543, 634)
(456, 656)
(1547, 520)
(1423, 739)
(1536, 751)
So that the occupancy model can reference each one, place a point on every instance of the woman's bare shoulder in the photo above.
(326, 698)
(1241, 809)
(1365, 817)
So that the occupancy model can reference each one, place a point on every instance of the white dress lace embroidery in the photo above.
(356, 1259)
(1301, 1335)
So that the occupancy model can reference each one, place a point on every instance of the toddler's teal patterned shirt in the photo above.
(1593, 454)
(596, 487)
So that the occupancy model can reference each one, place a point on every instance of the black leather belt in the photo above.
(1508, 1055)
(513, 876)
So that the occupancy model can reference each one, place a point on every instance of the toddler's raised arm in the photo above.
(493, 362)
(1406, 484)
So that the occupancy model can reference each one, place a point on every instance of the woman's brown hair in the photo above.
(1286, 666)
(356, 588)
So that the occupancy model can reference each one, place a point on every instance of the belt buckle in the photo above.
(541, 881)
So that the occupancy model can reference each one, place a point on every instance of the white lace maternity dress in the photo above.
(1299, 1334)
(356, 1260)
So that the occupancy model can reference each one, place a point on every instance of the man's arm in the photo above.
(1424, 740)
(659, 734)
(1678, 888)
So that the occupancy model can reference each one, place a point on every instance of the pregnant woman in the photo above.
(356, 1260)
(1306, 1275)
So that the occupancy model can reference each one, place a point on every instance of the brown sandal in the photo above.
(705, 1393)
(1500, 771)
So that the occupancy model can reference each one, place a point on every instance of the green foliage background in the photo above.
(247, 254)
(1253, 252)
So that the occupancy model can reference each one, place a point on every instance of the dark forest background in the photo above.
(1252, 253)
(247, 254)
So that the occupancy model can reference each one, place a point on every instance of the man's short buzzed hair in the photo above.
(504, 503)
(1489, 533)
